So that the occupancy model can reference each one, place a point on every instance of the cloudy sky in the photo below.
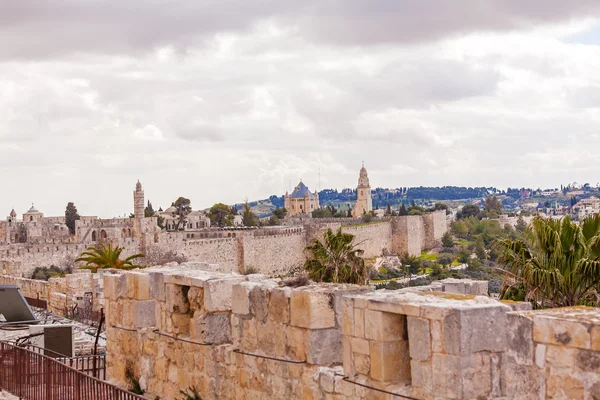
(221, 101)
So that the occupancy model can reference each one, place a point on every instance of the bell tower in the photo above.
(364, 203)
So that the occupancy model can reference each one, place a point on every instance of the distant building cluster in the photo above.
(303, 202)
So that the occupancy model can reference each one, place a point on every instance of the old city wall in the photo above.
(62, 293)
(274, 252)
(214, 248)
(374, 238)
(270, 251)
(238, 337)
(407, 235)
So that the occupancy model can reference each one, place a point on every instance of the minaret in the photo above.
(364, 203)
(138, 201)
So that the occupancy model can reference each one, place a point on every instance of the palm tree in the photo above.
(557, 264)
(106, 257)
(336, 259)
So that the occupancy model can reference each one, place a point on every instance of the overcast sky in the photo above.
(221, 101)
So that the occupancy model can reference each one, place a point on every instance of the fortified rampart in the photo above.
(82, 289)
(235, 337)
(271, 251)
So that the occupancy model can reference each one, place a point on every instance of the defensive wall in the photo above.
(271, 251)
(247, 337)
(83, 289)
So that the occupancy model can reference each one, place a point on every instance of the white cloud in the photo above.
(240, 107)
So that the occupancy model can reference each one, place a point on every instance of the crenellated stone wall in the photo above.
(374, 238)
(273, 251)
(82, 288)
(247, 337)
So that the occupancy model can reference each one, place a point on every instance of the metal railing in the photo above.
(33, 376)
(92, 365)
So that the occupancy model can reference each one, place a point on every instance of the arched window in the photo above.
(123, 234)
(129, 232)
(103, 234)
(94, 238)
(31, 218)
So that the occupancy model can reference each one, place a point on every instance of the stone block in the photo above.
(595, 337)
(211, 328)
(157, 286)
(422, 376)
(520, 344)
(181, 323)
(311, 309)
(196, 298)
(471, 330)
(359, 322)
(240, 298)
(218, 293)
(279, 305)
(419, 338)
(437, 345)
(327, 380)
(144, 314)
(249, 334)
(564, 387)
(295, 339)
(324, 346)
(522, 382)
(259, 303)
(390, 361)
(347, 314)
(142, 285)
(110, 286)
(362, 364)
(360, 346)
(540, 355)
(348, 357)
(383, 326)
(567, 332)
(458, 377)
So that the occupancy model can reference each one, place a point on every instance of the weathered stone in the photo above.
(240, 297)
(359, 322)
(324, 346)
(157, 286)
(313, 310)
(362, 364)
(360, 346)
(218, 293)
(279, 305)
(258, 303)
(522, 382)
(384, 326)
(564, 387)
(142, 285)
(144, 313)
(211, 328)
(421, 373)
(540, 355)
(390, 361)
(419, 338)
(520, 338)
(471, 330)
(295, 339)
(553, 330)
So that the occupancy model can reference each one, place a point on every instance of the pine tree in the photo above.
(403, 210)
(71, 215)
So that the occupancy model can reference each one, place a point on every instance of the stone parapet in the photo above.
(250, 337)
(553, 354)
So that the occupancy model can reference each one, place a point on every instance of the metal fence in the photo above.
(33, 376)
(37, 303)
(92, 365)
